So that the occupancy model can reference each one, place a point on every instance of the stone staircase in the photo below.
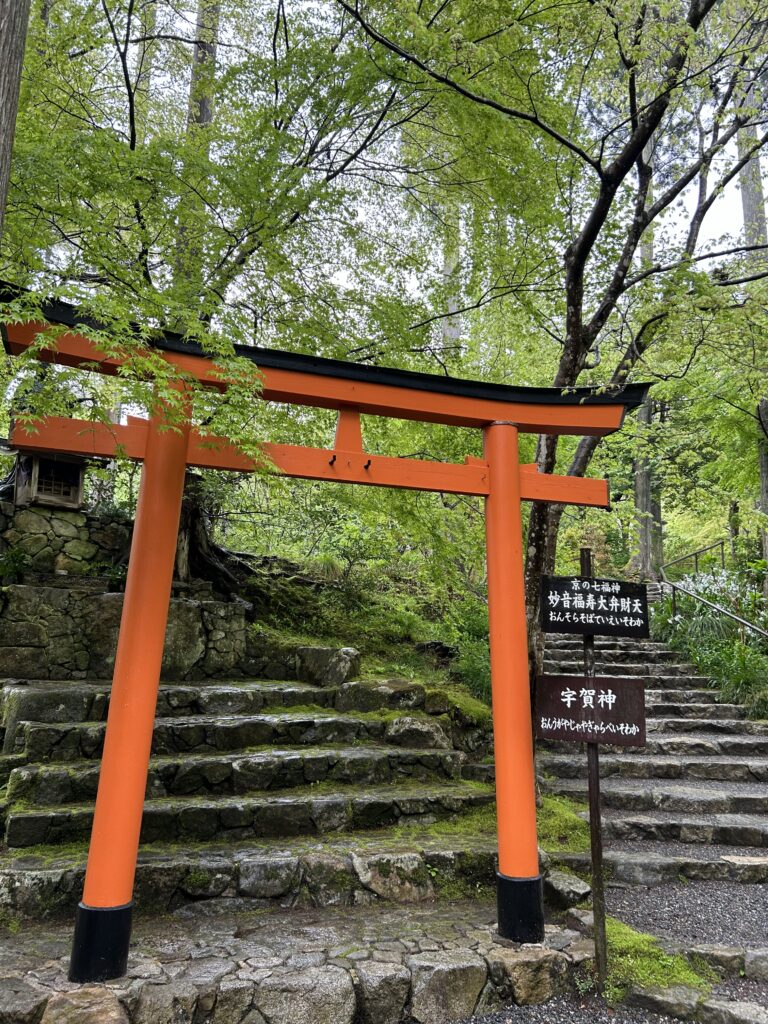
(318, 849)
(289, 789)
(692, 802)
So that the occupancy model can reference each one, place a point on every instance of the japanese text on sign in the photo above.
(605, 710)
(575, 604)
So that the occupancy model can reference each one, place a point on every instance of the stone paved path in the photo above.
(371, 965)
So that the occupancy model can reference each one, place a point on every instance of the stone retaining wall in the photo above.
(70, 632)
(49, 632)
(57, 540)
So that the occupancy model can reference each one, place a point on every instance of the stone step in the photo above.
(56, 702)
(702, 744)
(312, 812)
(614, 655)
(679, 745)
(688, 696)
(56, 741)
(239, 773)
(561, 641)
(725, 829)
(730, 769)
(303, 871)
(686, 798)
(606, 667)
(656, 867)
(726, 726)
(339, 869)
(671, 709)
(78, 701)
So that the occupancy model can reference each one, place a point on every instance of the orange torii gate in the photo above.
(103, 923)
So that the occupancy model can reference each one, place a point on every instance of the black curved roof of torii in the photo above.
(629, 395)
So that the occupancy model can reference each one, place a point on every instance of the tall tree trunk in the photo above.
(752, 197)
(196, 552)
(14, 18)
(733, 526)
(451, 325)
(756, 233)
(762, 453)
(199, 117)
(642, 561)
(647, 500)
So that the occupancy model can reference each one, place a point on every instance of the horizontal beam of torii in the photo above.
(102, 930)
(347, 462)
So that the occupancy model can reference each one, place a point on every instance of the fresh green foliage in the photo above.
(507, 191)
(730, 656)
(636, 959)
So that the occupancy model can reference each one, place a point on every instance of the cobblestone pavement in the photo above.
(376, 964)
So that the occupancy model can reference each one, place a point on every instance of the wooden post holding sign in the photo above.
(592, 709)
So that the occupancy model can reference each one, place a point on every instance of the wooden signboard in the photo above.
(575, 604)
(600, 709)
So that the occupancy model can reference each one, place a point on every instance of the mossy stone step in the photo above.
(296, 813)
(674, 796)
(404, 865)
(725, 829)
(729, 769)
(209, 734)
(239, 773)
(43, 701)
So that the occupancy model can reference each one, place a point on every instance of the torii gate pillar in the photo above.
(103, 920)
(519, 890)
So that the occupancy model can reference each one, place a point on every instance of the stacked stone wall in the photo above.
(62, 541)
(59, 632)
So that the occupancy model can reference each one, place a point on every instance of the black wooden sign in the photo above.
(600, 709)
(577, 604)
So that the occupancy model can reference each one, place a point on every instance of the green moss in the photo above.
(561, 829)
(458, 888)
(480, 821)
(10, 922)
(462, 705)
(636, 959)
(197, 878)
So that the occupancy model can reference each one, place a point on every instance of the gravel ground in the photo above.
(691, 851)
(743, 988)
(571, 1011)
(722, 912)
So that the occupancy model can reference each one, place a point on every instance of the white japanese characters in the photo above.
(605, 698)
(573, 604)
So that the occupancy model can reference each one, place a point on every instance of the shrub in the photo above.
(732, 657)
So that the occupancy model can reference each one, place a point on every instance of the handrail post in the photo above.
(696, 563)
(674, 601)
(722, 553)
